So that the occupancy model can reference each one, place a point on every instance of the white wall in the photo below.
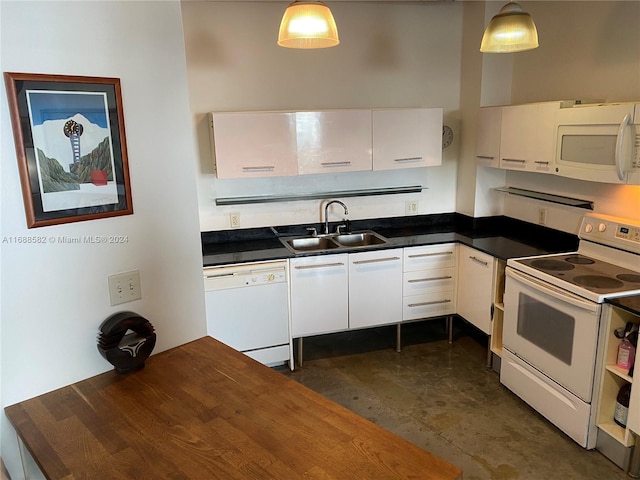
(588, 50)
(54, 296)
(391, 55)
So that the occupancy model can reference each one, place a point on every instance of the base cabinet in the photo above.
(428, 281)
(375, 288)
(319, 294)
(475, 287)
(614, 440)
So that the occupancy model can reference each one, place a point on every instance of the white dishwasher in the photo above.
(247, 308)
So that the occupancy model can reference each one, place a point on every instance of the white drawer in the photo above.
(435, 280)
(428, 305)
(429, 257)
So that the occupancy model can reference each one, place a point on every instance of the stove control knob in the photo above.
(588, 228)
(602, 227)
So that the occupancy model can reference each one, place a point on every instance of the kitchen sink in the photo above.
(337, 241)
(361, 239)
(309, 244)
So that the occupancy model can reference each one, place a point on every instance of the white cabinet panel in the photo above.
(254, 144)
(429, 281)
(429, 257)
(428, 305)
(518, 136)
(319, 294)
(333, 141)
(488, 136)
(475, 287)
(436, 280)
(407, 138)
(375, 288)
(527, 138)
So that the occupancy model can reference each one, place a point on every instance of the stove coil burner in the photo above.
(551, 265)
(579, 260)
(629, 277)
(597, 281)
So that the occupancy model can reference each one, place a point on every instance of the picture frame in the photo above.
(71, 147)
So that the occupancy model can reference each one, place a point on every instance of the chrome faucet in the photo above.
(326, 214)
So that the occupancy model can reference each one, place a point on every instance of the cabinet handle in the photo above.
(541, 163)
(446, 277)
(374, 260)
(266, 168)
(435, 302)
(321, 265)
(408, 159)
(418, 255)
(475, 259)
(484, 157)
(515, 160)
(335, 164)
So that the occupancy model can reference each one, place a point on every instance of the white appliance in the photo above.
(552, 334)
(247, 308)
(599, 142)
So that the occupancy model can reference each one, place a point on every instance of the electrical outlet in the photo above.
(234, 219)
(411, 207)
(124, 287)
(542, 216)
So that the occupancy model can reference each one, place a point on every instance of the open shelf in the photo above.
(317, 195)
(547, 197)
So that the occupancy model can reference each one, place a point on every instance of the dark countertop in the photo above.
(629, 303)
(501, 237)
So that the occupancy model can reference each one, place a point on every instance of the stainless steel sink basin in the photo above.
(361, 239)
(338, 241)
(309, 244)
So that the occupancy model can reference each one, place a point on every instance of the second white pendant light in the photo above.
(511, 30)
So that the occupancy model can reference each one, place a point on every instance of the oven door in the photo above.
(553, 330)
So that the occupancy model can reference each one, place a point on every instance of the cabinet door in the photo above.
(254, 144)
(488, 136)
(518, 136)
(407, 138)
(375, 288)
(319, 294)
(475, 287)
(544, 158)
(527, 138)
(333, 141)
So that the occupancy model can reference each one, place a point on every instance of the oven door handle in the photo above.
(552, 291)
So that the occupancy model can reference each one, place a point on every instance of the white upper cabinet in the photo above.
(527, 137)
(254, 144)
(488, 137)
(270, 144)
(407, 138)
(333, 141)
(518, 136)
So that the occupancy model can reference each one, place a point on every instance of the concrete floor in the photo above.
(444, 399)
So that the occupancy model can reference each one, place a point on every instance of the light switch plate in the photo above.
(124, 287)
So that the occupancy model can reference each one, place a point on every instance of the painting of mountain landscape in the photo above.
(73, 149)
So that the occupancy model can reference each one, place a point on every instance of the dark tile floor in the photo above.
(444, 399)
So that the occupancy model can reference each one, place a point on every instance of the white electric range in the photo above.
(552, 324)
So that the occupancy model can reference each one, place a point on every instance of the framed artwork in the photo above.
(71, 147)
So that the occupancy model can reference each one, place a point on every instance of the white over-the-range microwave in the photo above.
(599, 142)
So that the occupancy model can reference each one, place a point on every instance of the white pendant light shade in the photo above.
(511, 30)
(308, 25)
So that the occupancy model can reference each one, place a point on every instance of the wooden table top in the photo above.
(205, 411)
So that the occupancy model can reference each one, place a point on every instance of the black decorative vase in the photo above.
(126, 340)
